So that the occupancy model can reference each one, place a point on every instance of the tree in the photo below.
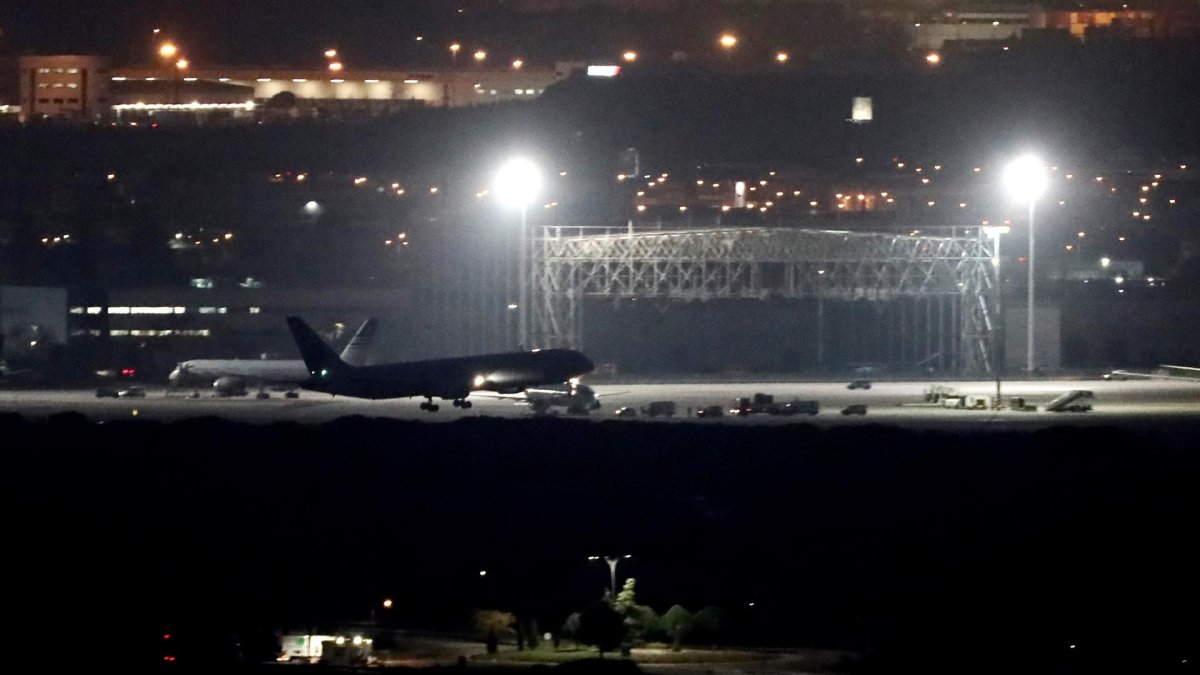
(637, 619)
(602, 626)
(710, 622)
(678, 622)
(492, 624)
(570, 628)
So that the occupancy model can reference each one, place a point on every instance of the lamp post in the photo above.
(612, 561)
(1025, 178)
(997, 332)
(518, 183)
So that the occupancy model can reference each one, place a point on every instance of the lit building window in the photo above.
(118, 310)
(256, 310)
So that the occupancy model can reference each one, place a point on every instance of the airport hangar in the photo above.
(668, 301)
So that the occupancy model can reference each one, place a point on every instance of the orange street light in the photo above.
(933, 58)
(336, 66)
(728, 40)
(480, 55)
(517, 64)
(782, 57)
(331, 53)
(182, 64)
(630, 56)
(167, 50)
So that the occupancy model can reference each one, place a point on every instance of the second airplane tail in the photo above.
(318, 357)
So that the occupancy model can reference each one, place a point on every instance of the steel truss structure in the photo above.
(944, 280)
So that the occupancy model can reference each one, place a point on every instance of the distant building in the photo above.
(83, 88)
(32, 319)
(71, 87)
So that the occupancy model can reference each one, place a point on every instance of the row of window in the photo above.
(57, 101)
(202, 332)
(170, 309)
(518, 92)
(58, 85)
(45, 71)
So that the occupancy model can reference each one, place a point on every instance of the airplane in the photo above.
(452, 379)
(578, 399)
(233, 377)
(1163, 372)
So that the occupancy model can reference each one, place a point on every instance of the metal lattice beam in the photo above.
(570, 264)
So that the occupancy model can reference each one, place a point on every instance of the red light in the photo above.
(1022, 259)
(169, 658)
(130, 372)
(166, 636)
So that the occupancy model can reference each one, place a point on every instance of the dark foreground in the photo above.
(1064, 550)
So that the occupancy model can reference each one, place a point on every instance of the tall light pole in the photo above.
(612, 561)
(994, 232)
(518, 183)
(1025, 178)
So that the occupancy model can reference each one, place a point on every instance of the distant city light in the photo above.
(331, 53)
(933, 58)
(782, 57)
(517, 64)
(630, 56)
(336, 66)
(168, 50)
(728, 40)
(480, 55)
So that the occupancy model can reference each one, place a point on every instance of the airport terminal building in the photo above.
(84, 88)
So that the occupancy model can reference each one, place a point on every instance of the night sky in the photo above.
(232, 31)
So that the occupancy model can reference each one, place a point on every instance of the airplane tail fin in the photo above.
(317, 355)
(358, 350)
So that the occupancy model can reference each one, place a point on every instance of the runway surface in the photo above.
(1127, 404)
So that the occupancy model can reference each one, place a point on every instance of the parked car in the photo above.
(106, 392)
(859, 384)
(626, 412)
(132, 392)
(855, 409)
(711, 411)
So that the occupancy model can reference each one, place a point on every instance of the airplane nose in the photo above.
(175, 376)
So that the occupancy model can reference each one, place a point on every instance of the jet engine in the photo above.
(230, 386)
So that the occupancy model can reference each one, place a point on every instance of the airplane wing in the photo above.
(1170, 373)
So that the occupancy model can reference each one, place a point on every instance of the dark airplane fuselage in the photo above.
(452, 378)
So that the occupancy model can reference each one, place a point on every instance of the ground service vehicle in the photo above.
(711, 411)
(626, 412)
(132, 392)
(765, 403)
(855, 409)
(797, 407)
(657, 408)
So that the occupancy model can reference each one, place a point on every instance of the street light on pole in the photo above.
(517, 184)
(1025, 178)
(612, 561)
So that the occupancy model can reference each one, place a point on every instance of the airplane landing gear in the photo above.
(462, 403)
(429, 406)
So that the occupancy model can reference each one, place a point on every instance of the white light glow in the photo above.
(518, 182)
(1025, 178)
